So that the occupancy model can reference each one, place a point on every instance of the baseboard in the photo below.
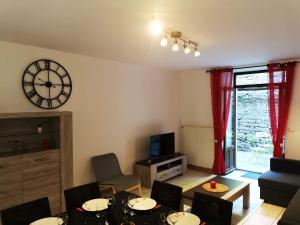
(199, 168)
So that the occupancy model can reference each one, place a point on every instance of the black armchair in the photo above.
(167, 194)
(212, 210)
(76, 196)
(26, 213)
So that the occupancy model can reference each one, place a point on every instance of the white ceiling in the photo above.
(229, 32)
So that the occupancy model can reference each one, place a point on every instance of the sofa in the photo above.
(281, 186)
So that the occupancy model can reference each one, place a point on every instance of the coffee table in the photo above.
(236, 190)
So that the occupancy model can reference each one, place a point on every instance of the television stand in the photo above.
(160, 169)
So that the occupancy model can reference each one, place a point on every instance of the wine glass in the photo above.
(99, 212)
(162, 218)
(125, 206)
(173, 217)
(111, 199)
(64, 218)
(131, 203)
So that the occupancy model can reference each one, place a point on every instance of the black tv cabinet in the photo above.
(162, 168)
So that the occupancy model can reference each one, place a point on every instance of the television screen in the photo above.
(162, 145)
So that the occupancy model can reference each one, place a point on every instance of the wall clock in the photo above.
(47, 84)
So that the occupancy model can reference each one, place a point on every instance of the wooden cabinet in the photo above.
(11, 181)
(160, 169)
(29, 175)
(41, 173)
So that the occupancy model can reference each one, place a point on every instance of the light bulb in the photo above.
(187, 50)
(156, 27)
(197, 53)
(175, 46)
(164, 42)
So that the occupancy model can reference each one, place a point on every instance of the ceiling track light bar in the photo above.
(186, 43)
(178, 35)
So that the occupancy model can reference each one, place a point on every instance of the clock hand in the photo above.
(42, 80)
(48, 76)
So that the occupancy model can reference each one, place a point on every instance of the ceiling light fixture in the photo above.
(196, 53)
(180, 41)
(186, 48)
(175, 46)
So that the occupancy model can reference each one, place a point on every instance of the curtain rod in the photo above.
(249, 67)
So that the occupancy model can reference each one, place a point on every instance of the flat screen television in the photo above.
(162, 145)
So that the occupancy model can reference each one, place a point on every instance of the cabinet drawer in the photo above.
(169, 173)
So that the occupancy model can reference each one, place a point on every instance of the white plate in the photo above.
(94, 205)
(48, 221)
(142, 203)
(184, 218)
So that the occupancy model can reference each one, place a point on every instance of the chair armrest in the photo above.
(105, 187)
(285, 165)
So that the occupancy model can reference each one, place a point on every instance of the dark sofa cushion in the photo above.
(291, 214)
(280, 181)
(285, 165)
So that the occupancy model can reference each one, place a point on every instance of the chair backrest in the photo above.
(76, 196)
(167, 194)
(212, 209)
(26, 213)
(106, 167)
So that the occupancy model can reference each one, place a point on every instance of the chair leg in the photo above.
(140, 189)
(135, 188)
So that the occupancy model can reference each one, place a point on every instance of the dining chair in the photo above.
(76, 196)
(167, 194)
(26, 213)
(212, 210)
(109, 175)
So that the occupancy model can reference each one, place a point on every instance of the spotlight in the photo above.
(187, 50)
(164, 41)
(196, 53)
(156, 27)
(175, 46)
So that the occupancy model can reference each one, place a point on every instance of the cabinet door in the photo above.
(11, 181)
(42, 178)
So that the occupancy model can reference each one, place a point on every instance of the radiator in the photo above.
(198, 145)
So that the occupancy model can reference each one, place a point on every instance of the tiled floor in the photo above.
(258, 213)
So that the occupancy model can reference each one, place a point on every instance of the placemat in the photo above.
(220, 188)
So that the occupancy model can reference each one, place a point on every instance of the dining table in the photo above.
(115, 214)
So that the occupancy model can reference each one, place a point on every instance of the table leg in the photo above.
(246, 197)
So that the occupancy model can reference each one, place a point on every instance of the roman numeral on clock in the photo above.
(27, 83)
(58, 100)
(39, 101)
(38, 67)
(47, 65)
(49, 101)
(31, 93)
(29, 72)
(64, 94)
(63, 76)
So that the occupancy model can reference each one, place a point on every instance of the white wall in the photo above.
(195, 108)
(116, 105)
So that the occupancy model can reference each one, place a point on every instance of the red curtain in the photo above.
(281, 77)
(221, 88)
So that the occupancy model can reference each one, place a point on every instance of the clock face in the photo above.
(47, 84)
